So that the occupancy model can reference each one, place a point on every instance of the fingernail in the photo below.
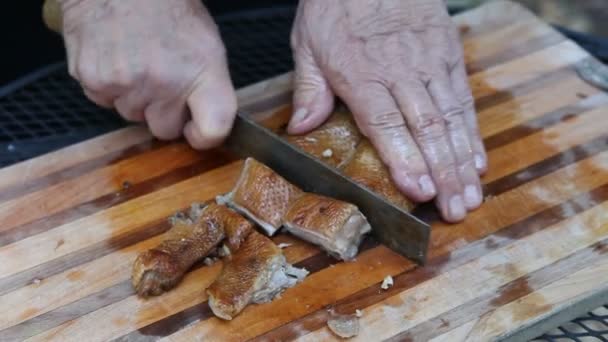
(299, 115)
(472, 197)
(479, 163)
(457, 209)
(427, 186)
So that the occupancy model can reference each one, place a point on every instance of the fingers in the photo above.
(213, 107)
(441, 91)
(166, 121)
(313, 99)
(429, 130)
(460, 84)
(381, 120)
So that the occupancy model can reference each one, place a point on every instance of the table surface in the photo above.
(534, 255)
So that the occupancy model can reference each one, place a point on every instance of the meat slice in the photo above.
(236, 227)
(262, 195)
(336, 226)
(256, 273)
(189, 240)
(367, 169)
(334, 142)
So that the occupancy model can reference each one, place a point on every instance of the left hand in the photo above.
(399, 66)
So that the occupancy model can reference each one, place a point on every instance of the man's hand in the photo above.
(158, 61)
(398, 65)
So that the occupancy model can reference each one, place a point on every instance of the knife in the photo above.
(392, 226)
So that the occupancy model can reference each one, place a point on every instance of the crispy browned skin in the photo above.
(262, 195)
(335, 225)
(188, 241)
(339, 134)
(244, 274)
(367, 169)
(236, 227)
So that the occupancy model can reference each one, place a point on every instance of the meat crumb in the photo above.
(310, 139)
(327, 153)
(358, 313)
(283, 245)
(345, 326)
(387, 282)
(224, 251)
(209, 261)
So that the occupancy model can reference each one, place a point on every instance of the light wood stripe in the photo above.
(26, 171)
(58, 197)
(536, 103)
(115, 221)
(530, 67)
(484, 275)
(541, 302)
(524, 152)
(482, 306)
(487, 50)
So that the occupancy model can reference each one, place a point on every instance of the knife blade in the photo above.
(393, 226)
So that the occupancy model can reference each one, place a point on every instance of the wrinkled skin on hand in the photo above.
(158, 61)
(398, 65)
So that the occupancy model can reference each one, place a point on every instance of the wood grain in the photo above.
(72, 222)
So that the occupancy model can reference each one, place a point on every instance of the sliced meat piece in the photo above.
(188, 241)
(236, 227)
(262, 195)
(367, 169)
(256, 273)
(336, 226)
(334, 142)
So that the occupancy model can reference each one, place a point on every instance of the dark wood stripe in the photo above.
(98, 250)
(201, 311)
(514, 51)
(501, 96)
(78, 170)
(530, 127)
(49, 320)
(547, 166)
(124, 289)
(429, 214)
(507, 293)
(209, 160)
(441, 263)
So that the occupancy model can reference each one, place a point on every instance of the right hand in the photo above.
(158, 61)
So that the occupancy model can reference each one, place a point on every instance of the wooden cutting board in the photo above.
(72, 222)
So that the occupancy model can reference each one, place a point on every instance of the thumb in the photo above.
(212, 105)
(313, 99)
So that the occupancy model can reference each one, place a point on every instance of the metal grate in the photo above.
(47, 110)
(592, 327)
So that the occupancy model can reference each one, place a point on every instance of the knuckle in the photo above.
(447, 173)
(454, 117)
(121, 77)
(89, 77)
(429, 127)
(387, 123)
